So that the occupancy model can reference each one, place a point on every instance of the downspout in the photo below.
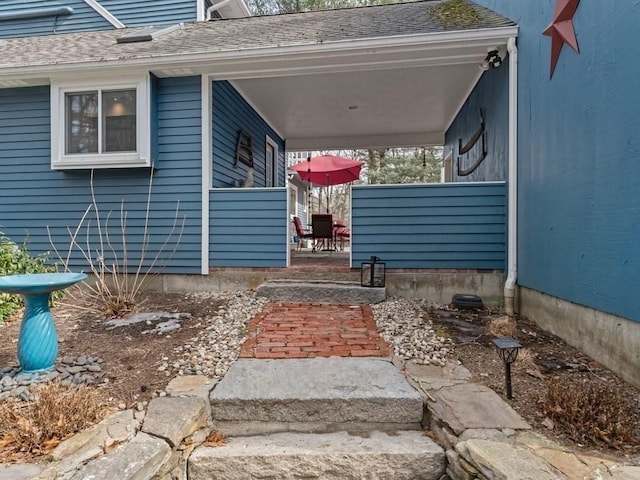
(215, 6)
(512, 240)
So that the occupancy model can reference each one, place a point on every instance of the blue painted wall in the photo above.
(84, 18)
(249, 227)
(579, 155)
(492, 96)
(32, 196)
(231, 113)
(452, 226)
(152, 12)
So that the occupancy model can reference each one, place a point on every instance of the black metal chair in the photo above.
(322, 231)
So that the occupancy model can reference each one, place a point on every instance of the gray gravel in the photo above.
(213, 351)
(83, 370)
(405, 324)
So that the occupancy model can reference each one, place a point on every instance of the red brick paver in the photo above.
(306, 330)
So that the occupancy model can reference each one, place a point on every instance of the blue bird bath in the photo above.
(38, 338)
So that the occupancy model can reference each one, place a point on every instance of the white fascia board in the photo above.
(366, 141)
(242, 6)
(316, 53)
(106, 14)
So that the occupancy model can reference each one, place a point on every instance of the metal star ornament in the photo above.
(561, 30)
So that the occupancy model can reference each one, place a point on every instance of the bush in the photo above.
(591, 414)
(15, 259)
(56, 413)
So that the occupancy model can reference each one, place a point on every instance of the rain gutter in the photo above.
(307, 51)
(512, 240)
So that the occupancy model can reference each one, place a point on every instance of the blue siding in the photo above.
(32, 196)
(248, 227)
(452, 226)
(152, 12)
(492, 96)
(579, 155)
(84, 18)
(232, 113)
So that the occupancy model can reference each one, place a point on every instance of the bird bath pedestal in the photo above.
(38, 339)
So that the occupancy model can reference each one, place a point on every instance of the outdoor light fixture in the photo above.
(508, 351)
(492, 60)
(372, 273)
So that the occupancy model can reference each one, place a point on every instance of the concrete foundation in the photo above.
(611, 340)
(436, 286)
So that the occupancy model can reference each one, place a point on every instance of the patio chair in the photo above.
(301, 232)
(341, 232)
(322, 231)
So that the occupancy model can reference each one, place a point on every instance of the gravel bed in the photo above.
(17, 386)
(213, 351)
(405, 324)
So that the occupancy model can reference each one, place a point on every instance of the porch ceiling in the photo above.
(402, 106)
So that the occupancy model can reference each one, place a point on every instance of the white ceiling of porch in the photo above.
(393, 107)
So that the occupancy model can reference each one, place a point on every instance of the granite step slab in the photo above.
(328, 456)
(317, 394)
(349, 293)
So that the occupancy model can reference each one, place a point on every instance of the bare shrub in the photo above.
(56, 413)
(591, 414)
(503, 326)
(117, 278)
(525, 360)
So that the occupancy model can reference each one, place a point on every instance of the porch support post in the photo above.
(512, 240)
(205, 118)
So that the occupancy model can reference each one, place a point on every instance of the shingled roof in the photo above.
(236, 35)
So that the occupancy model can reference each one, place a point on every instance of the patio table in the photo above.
(38, 338)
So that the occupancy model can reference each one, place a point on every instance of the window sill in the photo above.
(99, 163)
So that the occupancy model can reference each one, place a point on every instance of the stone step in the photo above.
(329, 456)
(349, 293)
(314, 395)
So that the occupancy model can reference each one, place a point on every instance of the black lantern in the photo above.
(508, 351)
(372, 273)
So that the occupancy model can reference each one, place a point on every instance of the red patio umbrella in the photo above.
(326, 170)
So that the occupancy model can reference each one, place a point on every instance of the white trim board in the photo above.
(206, 87)
(106, 14)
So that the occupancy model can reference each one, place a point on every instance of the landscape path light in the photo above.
(507, 349)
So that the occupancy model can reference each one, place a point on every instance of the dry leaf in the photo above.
(109, 445)
(535, 373)
(7, 440)
(51, 443)
(215, 439)
(547, 422)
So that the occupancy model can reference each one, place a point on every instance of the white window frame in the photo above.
(140, 158)
(274, 167)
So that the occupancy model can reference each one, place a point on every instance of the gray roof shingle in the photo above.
(233, 35)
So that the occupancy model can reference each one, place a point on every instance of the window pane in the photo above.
(119, 121)
(82, 122)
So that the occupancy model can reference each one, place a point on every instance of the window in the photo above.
(271, 163)
(96, 126)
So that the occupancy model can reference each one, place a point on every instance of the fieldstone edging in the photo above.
(128, 444)
(485, 439)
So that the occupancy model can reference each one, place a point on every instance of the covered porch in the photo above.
(384, 88)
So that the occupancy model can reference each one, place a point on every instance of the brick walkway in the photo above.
(306, 330)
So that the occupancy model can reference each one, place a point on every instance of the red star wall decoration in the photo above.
(561, 30)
